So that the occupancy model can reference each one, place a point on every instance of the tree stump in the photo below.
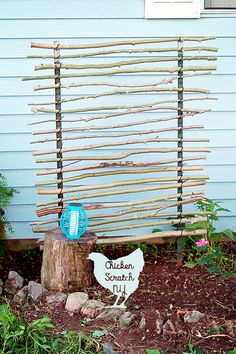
(65, 265)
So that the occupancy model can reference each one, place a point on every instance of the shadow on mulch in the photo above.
(164, 287)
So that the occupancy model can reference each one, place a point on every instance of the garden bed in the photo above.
(165, 287)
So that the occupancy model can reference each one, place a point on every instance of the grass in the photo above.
(19, 337)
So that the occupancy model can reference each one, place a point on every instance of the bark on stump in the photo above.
(65, 265)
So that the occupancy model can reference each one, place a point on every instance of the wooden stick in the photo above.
(129, 164)
(124, 154)
(121, 92)
(118, 43)
(119, 63)
(118, 172)
(138, 217)
(105, 108)
(156, 207)
(124, 191)
(159, 215)
(123, 71)
(153, 236)
(190, 112)
(128, 51)
(56, 209)
(154, 223)
(112, 84)
(116, 143)
(120, 183)
(109, 135)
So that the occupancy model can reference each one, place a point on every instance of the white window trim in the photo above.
(218, 11)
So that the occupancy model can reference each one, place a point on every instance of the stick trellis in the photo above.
(122, 127)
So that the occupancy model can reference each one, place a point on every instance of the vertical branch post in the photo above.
(180, 144)
(57, 73)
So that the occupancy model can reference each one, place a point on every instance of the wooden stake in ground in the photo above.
(65, 265)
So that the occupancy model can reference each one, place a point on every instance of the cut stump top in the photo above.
(58, 235)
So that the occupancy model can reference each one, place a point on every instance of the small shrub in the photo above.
(207, 251)
(6, 195)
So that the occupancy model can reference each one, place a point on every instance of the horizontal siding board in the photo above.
(22, 160)
(27, 177)
(10, 67)
(79, 9)
(18, 123)
(13, 86)
(54, 28)
(20, 47)
(22, 141)
(20, 106)
(83, 22)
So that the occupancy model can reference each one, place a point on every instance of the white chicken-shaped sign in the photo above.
(120, 276)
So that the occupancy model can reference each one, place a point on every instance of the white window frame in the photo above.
(212, 11)
(203, 12)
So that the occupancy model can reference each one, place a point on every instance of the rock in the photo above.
(21, 295)
(192, 317)
(36, 291)
(110, 314)
(159, 322)
(13, 283)
(126, 319)
(92, 308)
(75, 301)
(142, 323)
(168, 327)
(56, 299)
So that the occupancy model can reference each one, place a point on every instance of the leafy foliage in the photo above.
(6, 195)
(19, 337)
(210, 253)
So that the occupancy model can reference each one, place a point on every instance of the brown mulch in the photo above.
(164, 286)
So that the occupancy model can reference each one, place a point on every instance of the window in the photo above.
(220, 4)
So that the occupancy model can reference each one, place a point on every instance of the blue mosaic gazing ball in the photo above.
(74, 221)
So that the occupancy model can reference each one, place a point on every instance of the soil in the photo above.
(172, 290)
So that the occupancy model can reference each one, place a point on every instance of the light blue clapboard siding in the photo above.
(88, 21)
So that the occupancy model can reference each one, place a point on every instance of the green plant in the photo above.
(19, 337)
(207, 251)
(6, 195)
(194, 350)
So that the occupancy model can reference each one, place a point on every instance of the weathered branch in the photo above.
(119, 63)
(119, 172)
(128, 51)
(121, 92)
(124, 154)
(154, 223)
(129, 107)
(119, 43)
(120, 183)
(113, 84)
(129, 164)
(119, 135)
(124, 212)
(153, 236)
(118, 143)
(124, 71)
(57, 209)
(124, 191)
(136, 217)
(156, 207)
(190, 112)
